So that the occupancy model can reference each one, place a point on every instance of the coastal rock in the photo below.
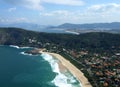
(33, 52)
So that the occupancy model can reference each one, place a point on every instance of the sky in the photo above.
(56, 12)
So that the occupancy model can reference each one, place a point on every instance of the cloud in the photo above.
(31, 4)
(61, 16)
(104, 11)
(22, 19)
(11, 9)
(13, 20)
(54, 13)
(38, 4)
(95, 14)
(111, 7)
(65, 2)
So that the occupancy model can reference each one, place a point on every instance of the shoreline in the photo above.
(72, 69)
(69, 66)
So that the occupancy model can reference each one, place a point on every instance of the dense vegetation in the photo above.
(96, 40)
(96, 54)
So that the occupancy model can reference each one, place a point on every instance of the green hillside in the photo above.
(22, 37)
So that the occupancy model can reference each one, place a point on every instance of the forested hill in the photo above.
(21, 37)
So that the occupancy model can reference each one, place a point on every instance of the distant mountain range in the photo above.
(113, 27)
(34, 27)
(27, 26)
(103, 26)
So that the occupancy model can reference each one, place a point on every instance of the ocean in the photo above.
(18, 69)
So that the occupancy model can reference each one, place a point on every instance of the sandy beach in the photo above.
(76, 72)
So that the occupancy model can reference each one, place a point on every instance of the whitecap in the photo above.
(25, 47)
(23, 53)
(14, 46)
(61, 80)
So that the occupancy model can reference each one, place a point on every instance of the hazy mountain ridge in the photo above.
(27, 26)
(106, 26)
(113, 27)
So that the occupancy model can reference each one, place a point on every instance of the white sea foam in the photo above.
(28, 54)
(23, 53)
(14, 46)
(61, 80)
(25, 47)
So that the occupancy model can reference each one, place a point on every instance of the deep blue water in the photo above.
(18, 70)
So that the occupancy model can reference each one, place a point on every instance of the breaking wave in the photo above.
(23, 53)
(61, 79)
(14, 46)
(28, 54)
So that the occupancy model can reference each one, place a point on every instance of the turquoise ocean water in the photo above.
(18, 69)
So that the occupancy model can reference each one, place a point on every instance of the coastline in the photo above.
(65, 64)
(72, 69)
